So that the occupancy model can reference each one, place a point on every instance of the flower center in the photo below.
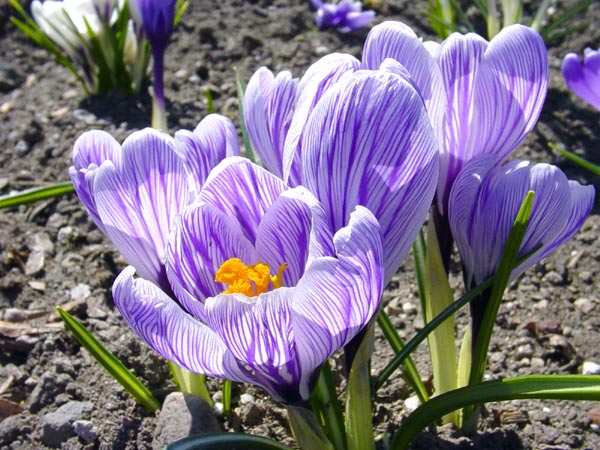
(248, 280)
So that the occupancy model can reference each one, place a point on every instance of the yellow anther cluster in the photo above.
(248, 280)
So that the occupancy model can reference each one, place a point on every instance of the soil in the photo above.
(52, 254)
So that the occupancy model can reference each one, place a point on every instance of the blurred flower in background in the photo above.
(345, 15)
(584, 78)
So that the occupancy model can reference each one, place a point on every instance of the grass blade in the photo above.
(36, 194)
(110, 362)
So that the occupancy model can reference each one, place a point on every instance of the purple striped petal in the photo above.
(137, 202)
(510, 91)
(369, 142)
(268, 108)
(316, 81)
(338, 296)
(169, 331)
(91, 149)
(203, 239)
(258, 331)
(242, 191)
(584, 79)
(213, 139)
(294, 231)
(486, 198)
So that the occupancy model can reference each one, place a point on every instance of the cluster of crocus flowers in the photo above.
(583, 78)
(345, 15)
(95, 39)
(248, 277)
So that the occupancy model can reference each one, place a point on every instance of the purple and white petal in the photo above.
(91, 149)
(338, 296)
(203, 238)
(213, 139)
(584, 79)
(293, 231)
(319, 77)
(258, 331)
(459, 58)
(169, 331)
(242, 191)
(511, 89)
(369, 142)
(137, 203)
(268, 108)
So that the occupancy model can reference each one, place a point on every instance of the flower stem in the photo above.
(159, 111)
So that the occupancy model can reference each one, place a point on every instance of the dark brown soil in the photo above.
(51, 253)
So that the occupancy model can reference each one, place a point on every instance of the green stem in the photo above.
(410, 369)
(190, 382)
(557, 387)
(595, 169)
(36, 194)
(227, 385)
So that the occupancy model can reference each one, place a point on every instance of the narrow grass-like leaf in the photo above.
(563, 17)
(422, 335)
(180, 8)
(210, 106)
(359, 422)
(419, 249)
(190, 382)
(327, 408)
(110, 362)
(595, 169)
(409, 370)
(36, 194)
(307, 430)
(556, 387)
(227, 386)
(240, 93)
(229, 441)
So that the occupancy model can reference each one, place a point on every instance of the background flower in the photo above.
(584, 79)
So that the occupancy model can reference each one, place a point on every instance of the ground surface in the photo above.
(51, 254)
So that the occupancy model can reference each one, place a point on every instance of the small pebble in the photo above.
(590, 368)
(584, 304)
(81, 292)
(412, 403)
(246, 398)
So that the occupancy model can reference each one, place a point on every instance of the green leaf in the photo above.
(595, 169)
(227, 385)
(306, 429)
(359, 422)
(557, 387)
(438, 296)
(36, 194)
(190, 382)
(229, 441)
(409, 368)
(327, 408)
(110, 362)
(240, 93)
(505, 267)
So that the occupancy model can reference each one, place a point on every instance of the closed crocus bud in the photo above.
(345, 15)
(584, 78)
(155, 17)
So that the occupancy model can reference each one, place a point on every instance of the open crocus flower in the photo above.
(356, 137)
(482, 97)
(345, 15)
(265, 293)
(134, 191)
(484, 203)
(584, 79)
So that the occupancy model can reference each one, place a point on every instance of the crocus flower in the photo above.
(134, 191)
(484, 203)
(482, 97)
(155, 18)
(584, 79)
(355, 137)
(265, 293)
(345, 15)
